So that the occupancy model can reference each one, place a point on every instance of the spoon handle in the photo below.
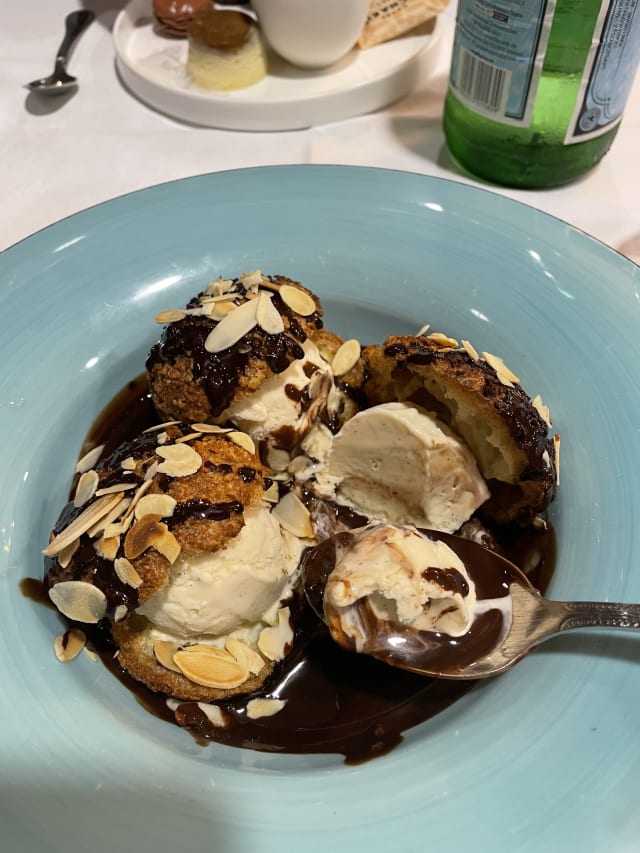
(75, 24)
(592, 614)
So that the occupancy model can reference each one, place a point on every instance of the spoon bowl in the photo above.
(510, 617)
(60, 81)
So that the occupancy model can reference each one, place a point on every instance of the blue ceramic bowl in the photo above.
(543, 758)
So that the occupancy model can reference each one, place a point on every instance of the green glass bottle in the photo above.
(537, 87)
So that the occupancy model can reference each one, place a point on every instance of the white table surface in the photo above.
(58, 156)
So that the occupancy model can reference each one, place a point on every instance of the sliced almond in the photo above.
(80, 601)
(257, 708)
(556, 445)
(210, 666)
(541, 409)
(346, 357)
(212, 428)
(242, 440)
(117, 487)
(189, 437)
(274, 641)
(157, 427)
(213, 713)
(164, 650)
(297, 300)
(268, 317)
(86, 488)
(105, 523)
(293, 515)
(144, 534)
(507, 377)
(168, 546)
(272, 494)
(64, 557)
(95, 511)
(89, 459)
(233, 327)
(107, 548)
(67, 646)
(151, 471)
(251, 280)
(423, 330)
(245, 655)
(162, 505)
(128, 464)
(220, 286)
(442, 340)
(162, 437)
(172, 315)
(470, 350)
(90, 654)
(126, 572)
(277, 459)
(180, 460)
(120, 613)
(221, 310)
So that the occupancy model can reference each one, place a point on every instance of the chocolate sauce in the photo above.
(200, 508)
(335, 701)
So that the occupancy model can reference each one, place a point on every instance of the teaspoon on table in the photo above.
(60, 81)
(513, 620)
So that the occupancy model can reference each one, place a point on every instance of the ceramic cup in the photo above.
(311, 33)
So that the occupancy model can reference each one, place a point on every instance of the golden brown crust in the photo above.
(507, 436)
(136, 655)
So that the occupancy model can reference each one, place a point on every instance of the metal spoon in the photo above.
(499, 636)
(59, 82)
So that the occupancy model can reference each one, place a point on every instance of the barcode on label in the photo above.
(483, 84)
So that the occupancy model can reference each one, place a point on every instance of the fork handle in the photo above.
(75, 24)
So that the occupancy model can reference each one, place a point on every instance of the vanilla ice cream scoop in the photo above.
(214, 594)
(397, 462)
(404, 577)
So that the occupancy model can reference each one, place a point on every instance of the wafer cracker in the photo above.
(391, 18)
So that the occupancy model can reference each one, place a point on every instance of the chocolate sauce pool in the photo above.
(335, 701)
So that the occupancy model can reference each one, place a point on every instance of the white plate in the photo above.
(152, 66)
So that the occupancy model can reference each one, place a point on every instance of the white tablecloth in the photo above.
(58, 156)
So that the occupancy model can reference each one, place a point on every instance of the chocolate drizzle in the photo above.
(198, 508)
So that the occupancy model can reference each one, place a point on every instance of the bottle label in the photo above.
(609, 71)
(497, 56)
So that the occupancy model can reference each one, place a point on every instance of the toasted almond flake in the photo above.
(442, 340)
(126, 572)
(142, 535)
(213, 713)
(107, 548)
(268, 317)
(297, 300)
(117, 487)
(251, 279)
(90, 654)
(162, 505)
(221, 297)
(293, 515)
(210, 666)
(211, 428)
(232, 328)
(86, 488)
(470, 350)
(80, 601)
(272, 494)
(220, 286)
(222, 310)
(120, 613)
(189, 437)
(162, 437)
(168, 546)
(160, 426)
(507, 377)
(89, 459)
(128, 464)
(95, 511)
(423, 330)
(143, 488)
(540, 523)
(277, 459)
(105, 522)
(164, 650)
(171, 315)
(257, 708)
(180, 460)
(67, 646)
(242, 440)
(556, 446)
(64, 557)
(274, 641)
(541, 409)
(346, 357)
(245, 655)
